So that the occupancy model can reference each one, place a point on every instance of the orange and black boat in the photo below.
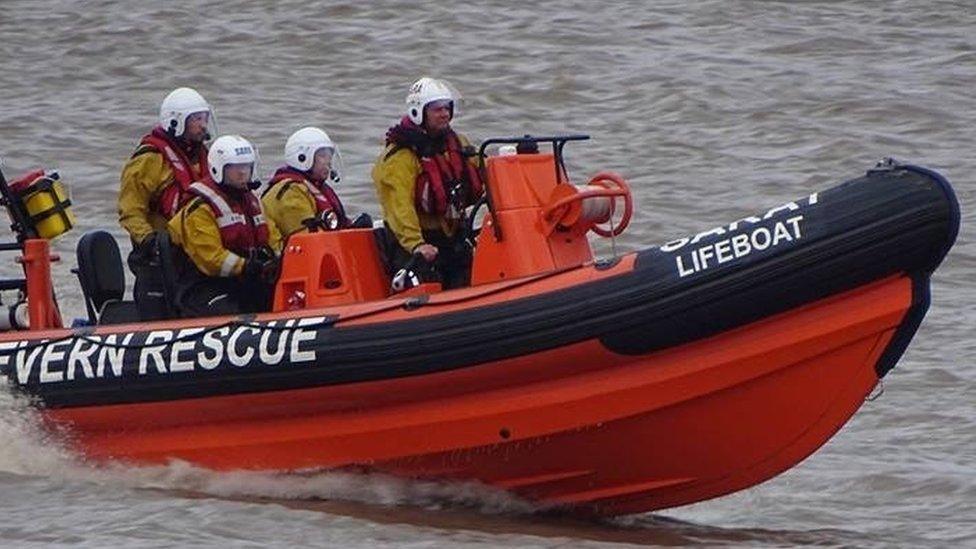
(671, 375)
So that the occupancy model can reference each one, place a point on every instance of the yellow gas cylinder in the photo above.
(46, 202)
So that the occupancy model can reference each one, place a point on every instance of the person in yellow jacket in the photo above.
(154, 185)
(231, 247)
(299, 194)
(424, 179)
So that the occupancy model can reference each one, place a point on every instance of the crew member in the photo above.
(154, 186)
(299, 195)
(232, 248)
(425, 178)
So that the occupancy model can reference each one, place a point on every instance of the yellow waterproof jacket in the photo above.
(395, 177)
(144, 177)
(287, 203)
(194, 229)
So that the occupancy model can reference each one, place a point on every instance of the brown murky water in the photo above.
(712, 110)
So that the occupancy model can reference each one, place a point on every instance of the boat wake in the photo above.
(370, 489)
(27, 448)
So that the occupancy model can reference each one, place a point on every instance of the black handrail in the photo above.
(8, 284)
(524, 142)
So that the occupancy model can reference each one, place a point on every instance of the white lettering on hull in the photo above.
(737, 246)
(740, 244)
(162, 352)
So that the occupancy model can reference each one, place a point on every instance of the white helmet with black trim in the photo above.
(178, 105)
(230, 149)
(301, 147)
(426, 91)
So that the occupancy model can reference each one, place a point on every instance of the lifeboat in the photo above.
(678, 373)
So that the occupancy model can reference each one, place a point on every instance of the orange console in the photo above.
(325, 268)
(539, 221)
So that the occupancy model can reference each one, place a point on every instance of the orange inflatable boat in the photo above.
(678, 373)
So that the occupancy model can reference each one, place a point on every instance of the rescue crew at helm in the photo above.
(299, 194)
(154, 186)
(231, 247)
(424, 179)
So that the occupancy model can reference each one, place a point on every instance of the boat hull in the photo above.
(668, 376)
(668, 428)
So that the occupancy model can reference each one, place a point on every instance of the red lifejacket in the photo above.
(325, 198)
(174, 195)
(241, 222)
(431, 194)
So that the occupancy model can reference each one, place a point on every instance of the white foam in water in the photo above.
(27, 448)
(376, 489)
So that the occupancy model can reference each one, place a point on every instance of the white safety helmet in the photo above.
(301, 147)
(231, 149)
(427, 90)
(178, 105)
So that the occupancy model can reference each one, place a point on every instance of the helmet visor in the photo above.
(328, 164)
(456, 98)
(239, 174)
(324, 154)
(441, 104)
(200, 125)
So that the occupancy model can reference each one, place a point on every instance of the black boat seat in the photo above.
(118, 312)
(102, 279)
(167, 257)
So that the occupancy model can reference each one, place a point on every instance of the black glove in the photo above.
(261, 265)
(362, 221)
(145, 254)
(149, 247)
(413, 273)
